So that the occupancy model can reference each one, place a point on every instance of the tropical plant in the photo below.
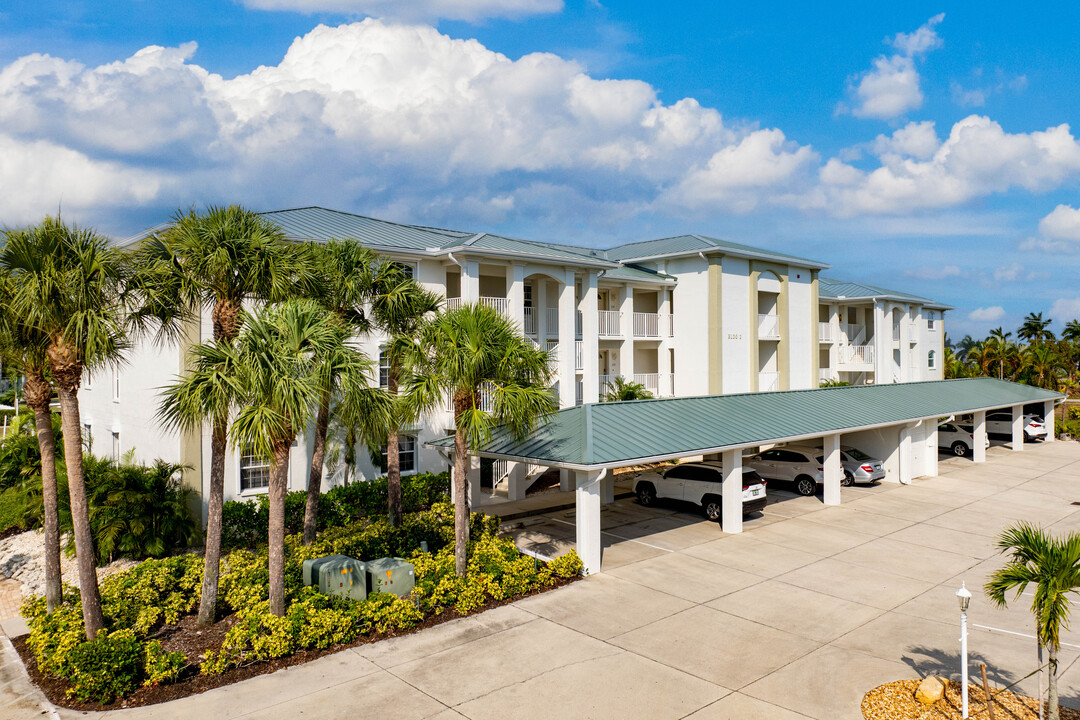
(622, 389)
(280, 357)
(493, 376)
(1041, 366)
(1034, 329)
(832, 382)
(219, 259)
(965, 346)
(1052, 565)
(68, 288)
(399, 308)
(955, 366)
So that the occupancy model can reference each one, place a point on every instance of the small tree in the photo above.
(493, 376)
(622, 389)
(1052, 565)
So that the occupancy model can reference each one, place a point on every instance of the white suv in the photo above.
(999, 423)
(958, 438)
(700, 483)
(796, 464)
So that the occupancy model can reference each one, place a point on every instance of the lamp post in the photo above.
(964, 596)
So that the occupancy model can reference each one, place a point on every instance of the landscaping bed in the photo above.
(896, 701)
(152, 651)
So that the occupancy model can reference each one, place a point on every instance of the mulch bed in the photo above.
(188, 638)
(13, 530)
(896, 701)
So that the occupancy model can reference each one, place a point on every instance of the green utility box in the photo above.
(391, 575)
(338, 575)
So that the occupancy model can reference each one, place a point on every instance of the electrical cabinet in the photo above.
(338, 575)
(391, 575)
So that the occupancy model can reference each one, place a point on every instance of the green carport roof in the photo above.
(624, 433)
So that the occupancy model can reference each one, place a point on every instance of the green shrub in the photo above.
(161, 667)
(152, 593)
(107, 667)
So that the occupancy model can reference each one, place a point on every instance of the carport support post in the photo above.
(1017, 428)
(607, 489)
(978, 453)
(1048, 418)
(587, 508)
(832, 469)
(731, 492)
(518, 482)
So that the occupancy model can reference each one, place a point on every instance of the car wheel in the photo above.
(805, 485)
(848, 480)
(712, 508)
(959, 449)
(646, 494)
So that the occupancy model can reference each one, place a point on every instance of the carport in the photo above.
(590, 440)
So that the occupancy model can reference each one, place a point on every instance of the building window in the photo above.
(384, 369)
(931, 360)
(254, 471)
(528, 296)
(406, 268)
(930, 320)
(406, 453)
(116, 446)
(116, 384)
(87, 436)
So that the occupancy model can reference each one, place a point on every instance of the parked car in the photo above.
(999, 423)
(700, 483)
(795, 464)
(860, 467)
(958, 438)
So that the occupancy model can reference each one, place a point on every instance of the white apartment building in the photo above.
(683, 316)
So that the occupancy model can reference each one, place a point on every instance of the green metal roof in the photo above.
(829, 289)
(527, 248)
(315, 223)
(688, 244)
(624, 433)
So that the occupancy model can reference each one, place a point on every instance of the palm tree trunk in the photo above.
(212, 561)
(279, 480)
(393, 459)
(461, 501)
(38, 393)
(1052, 689)
(93, 620)
(318, 454)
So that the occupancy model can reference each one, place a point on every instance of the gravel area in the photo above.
(896, 701)
(22, 558)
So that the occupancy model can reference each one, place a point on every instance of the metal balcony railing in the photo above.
(768, 381)
(653, 325)
(855, 354)
(609, 323)
(768, 327)
(825, 333)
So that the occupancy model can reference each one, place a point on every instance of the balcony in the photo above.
(853, 334)
(913, 333)
(609, 323)
(486, 396)
(825, 374)
(579, 355)
(653, 325)
(896, 332)
(768, 327)
(531, 326)
(768, 381)
(824, 332)
(855, 355)
(495, 303)
(553, 321)
(657, 384)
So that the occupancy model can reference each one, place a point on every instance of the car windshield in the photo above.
(857, 454)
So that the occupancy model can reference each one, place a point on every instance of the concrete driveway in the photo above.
(806, 610)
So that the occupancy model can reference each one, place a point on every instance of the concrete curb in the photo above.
(17, 692)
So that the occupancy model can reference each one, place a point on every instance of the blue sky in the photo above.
(927, 148)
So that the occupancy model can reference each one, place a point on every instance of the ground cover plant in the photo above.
(145, 606)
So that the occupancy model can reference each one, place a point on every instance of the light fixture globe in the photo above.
(964, 596)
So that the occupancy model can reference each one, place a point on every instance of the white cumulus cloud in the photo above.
(470, 10)
(987, 314)
(1066, 309)
(1061, 224)
(935, 273)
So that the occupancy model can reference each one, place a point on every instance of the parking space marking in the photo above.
(1018, 634)
(605, 532)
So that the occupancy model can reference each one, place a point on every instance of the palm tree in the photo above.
(217, 259)
(399, 309)
(1052, 565)
(69, 288)
(23, 349)
(1071, 331)
(493, 375)
(279, 359)
(956, 367)
(965, 346)
(1041, 366)
(1034, 329)
(622, 389)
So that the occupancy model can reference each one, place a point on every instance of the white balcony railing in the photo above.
(530, 317)
(604, 381)
(768, 327)
(495, 303)
(553, 321)
(768, 381)
(650, 381)
(579, 355)
(825, 333)
(485, 400)
(825, 374)
(609, 323)
(896, 332)
(855, 354)
(579, 392)
(913, 333)
(653, 325)
(658, 384)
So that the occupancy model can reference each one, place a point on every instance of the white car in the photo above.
(999, 423)
(796, 464)
(700, 483)
(958, 438)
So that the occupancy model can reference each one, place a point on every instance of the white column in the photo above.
(626, 327)
(1048, 418)
(515, 293)
(470, 281)
(1018, 428)
(567, 343)
(833, 471)
(476, 493)
(518, 481)
(566, 480)
(540, 307)
(907, 457)
(607, 489)
(663, 359)
(590, 339)
(978, 452)
(731, 492)
(587, 518)
(931, 452)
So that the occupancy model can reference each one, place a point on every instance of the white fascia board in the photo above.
(793, 262)
(470, 251)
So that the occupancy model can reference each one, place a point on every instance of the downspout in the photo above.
(455, 260)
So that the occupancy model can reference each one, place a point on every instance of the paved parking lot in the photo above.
(796, 617)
